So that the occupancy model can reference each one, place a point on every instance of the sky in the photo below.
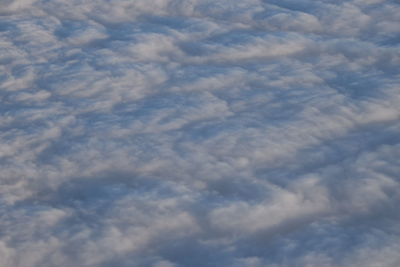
(199, 133)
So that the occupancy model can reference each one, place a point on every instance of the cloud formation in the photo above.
(199, 133)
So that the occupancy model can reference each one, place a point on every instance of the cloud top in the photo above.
(199, 133)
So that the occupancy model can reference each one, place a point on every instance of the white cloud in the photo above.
(199, 133)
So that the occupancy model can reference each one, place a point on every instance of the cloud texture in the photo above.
(198, 133)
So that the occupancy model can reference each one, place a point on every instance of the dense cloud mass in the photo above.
(177, 133)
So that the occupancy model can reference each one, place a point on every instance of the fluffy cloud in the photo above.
(199, 133)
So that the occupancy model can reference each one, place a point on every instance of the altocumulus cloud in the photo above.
(197, 133)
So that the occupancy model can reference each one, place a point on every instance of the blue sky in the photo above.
(173, 133)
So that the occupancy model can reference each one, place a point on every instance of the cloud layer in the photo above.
(199, 133)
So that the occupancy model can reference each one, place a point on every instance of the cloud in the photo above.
(199, 133)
